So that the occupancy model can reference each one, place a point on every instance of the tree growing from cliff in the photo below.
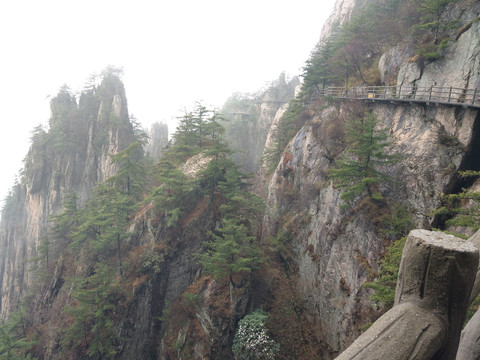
(131, 174)
(97, 299)
(461, 209)
(360, 171)
(196, 131)
(174, 193)
(231, 251)
(431, 16)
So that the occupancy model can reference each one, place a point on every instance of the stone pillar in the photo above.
(469, 347)
(436, 275)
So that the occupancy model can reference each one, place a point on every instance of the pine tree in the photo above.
(15, 340)
(131, 174)
(359, 172)
(97, 298)
(65, 223)
(231, 251)
(431, 15)
(174, 193)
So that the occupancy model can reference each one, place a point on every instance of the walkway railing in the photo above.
(406, 93)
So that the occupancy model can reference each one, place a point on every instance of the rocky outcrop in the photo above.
(435, 279)
(458, 66)
(341, 14)
(157, 141)
(336, 250)
(72, 157)
(176, 312)
(251, 117)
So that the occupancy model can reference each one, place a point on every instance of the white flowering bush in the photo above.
(251, 341)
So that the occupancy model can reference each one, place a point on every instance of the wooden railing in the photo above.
(433, 94)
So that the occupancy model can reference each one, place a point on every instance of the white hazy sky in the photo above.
(173, 53)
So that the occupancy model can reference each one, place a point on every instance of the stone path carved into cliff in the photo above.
(432, 95)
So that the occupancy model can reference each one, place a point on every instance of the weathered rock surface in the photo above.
(54, 168)
(251, 118)
(469, 347)
(341, 14)
(434, 283)
(459, 65)
(335, 249)
(157, 141)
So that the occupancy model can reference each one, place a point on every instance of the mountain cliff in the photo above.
(72, 156)
(250, 118)
(106, 254)
(335, 251)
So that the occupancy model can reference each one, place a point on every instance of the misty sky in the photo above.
(173, 53)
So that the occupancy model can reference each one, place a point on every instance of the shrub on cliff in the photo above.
(251, 339)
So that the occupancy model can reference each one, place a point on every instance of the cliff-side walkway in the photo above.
(406, 93)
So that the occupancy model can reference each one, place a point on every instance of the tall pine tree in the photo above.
(360, 171)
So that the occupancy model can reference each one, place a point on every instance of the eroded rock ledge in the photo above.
(436, 276)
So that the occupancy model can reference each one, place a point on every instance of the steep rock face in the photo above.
(72, 157)
(458, 66)
(336, 250)
(341, 14)
(176, 313)
(251, 118)
(158, 140)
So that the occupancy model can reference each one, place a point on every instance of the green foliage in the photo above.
(231, 251)
(431, 15)
(317, 71)
(251, 339)
(190, 299)
(238, 211)
(213, 174)
(385, 284)
(359, 172)
(14, 340)
(196, 131)
(151, 260)
(461, 209)
(96, 234)
(174, 193)
(65, 223)
(398, 222)
(238, 200)
(351, 53)
(98, 298)
(131, 174)
(104, 224)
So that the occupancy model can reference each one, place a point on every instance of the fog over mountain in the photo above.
(172, 53)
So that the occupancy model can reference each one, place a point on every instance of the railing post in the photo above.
(430, 95)
(474, 94)
(400, 92)
(450, 94)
